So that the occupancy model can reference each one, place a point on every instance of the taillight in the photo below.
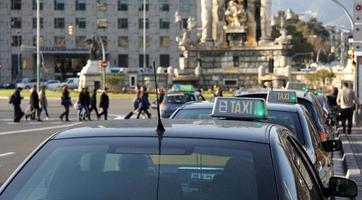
(323, 136)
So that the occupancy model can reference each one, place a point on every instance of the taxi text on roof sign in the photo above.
(239, 108)
(282, 97)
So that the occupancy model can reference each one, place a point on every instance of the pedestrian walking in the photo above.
(104, 104)
(43, 100)
(87, 102)
(348, 101)
(82, 104)
(66, 102)
(218, 91)
(34, 105)
(199, 95)
(137, 99)
(15, 99)
(332, 98)
(93, 104)
(144, 103)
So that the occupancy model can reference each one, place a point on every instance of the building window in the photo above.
(140, 23)
(41, 4)
(81, 23)
(123, 60)
(165, 41)
(58, 4)
(101, 5)
(41, 41)
(140, 41)
(59, 41)
(185, 5)
(122, 23)
(164, 60)
(80, 4)
(140, 59)
(164, 5)
(123, 41)
(140, 5)
(122, 5)
(41, 22)
(81, 41)
(184, 23)
(15, 40)
(164, 24)
(15, 22)
(236, 61)
(15, 4)
(59, 23)
(230, 82)
(102, 23)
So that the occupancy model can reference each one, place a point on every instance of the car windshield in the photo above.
(193, 113)
(179, 98)
(288, 119)
(130, 168)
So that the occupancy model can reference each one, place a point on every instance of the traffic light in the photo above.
(71, 30)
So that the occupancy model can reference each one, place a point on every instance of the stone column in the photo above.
(265, 14)
(206, 20)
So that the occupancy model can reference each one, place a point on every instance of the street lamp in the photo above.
(38, 45)
(19, 74)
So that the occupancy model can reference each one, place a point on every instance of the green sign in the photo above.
(182, 88)
(296, 86)
(282, 97)
(239, 108)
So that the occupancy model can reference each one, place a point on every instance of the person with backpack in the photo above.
(104, 104)
(34, 105)
(15, 100)
(66, 102)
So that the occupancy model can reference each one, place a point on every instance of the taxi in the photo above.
(188, 160)
(311, 103)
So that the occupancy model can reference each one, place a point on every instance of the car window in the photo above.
(311, 109)
(306, 170)
(288, 119)
(127, 168)
(180, 99)
(193, 114)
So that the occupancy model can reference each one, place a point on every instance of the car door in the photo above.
(305, 168)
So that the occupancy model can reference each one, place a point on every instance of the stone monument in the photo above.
(235, 40)
(90, 75)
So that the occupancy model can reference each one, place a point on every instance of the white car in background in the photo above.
(54, 84)
(72, 83)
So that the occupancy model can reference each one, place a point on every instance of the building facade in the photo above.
(67, 24)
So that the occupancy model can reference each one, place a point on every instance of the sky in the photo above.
(325, 10)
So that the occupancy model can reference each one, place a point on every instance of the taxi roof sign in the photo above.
(282, 96)
(182, 88)
(239, 108)
(296, 86)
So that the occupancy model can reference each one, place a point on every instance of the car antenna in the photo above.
(160, 131)
(160, 128)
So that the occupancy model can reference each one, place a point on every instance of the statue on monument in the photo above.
(94, 48)
(190, 37)
(235, 14)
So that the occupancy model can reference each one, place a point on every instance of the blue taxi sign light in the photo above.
(239, 108)
(182, 88)
(282, 96)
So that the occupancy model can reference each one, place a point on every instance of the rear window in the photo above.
(290, 120)
(312, 110)
(131, 168)
(179, 99)
(193, 114)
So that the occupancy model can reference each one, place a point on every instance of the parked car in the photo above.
(29, 83)
(72, 83)
(54, 84)
(173, 101)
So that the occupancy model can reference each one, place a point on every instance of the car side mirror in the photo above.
(332, 145)
(342, 187)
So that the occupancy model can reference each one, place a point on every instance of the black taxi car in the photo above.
(212, 160)
(310, 102)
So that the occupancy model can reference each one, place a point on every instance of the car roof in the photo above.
(197, 105)
(263, 91)
(284, 107)
(204, 129)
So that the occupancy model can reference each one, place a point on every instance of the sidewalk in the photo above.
(348, 161)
